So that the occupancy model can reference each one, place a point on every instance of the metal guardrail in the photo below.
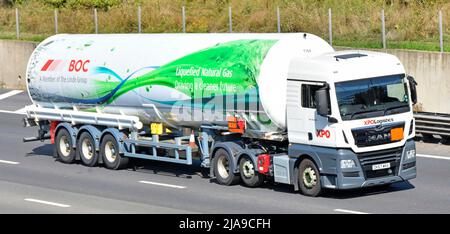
(432, 124)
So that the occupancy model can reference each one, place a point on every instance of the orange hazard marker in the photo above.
(396, 134)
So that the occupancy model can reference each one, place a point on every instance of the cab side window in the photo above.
(309, 95)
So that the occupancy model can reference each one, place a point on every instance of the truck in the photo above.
(250, 108)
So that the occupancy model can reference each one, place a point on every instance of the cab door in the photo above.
(304, 125)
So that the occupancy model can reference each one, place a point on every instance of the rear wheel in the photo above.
(86, 150)
(109, 150)
(222, 168)
(63, 144)
(309, 178)
(249, 175)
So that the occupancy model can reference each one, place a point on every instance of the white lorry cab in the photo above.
(350, 113)
(286, 108)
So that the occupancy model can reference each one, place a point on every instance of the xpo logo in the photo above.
(378, 121)
(323, 133)
(79, 65)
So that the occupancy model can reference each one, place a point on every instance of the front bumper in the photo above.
(402, 169)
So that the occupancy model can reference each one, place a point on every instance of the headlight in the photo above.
(410, 154)
(348, 163)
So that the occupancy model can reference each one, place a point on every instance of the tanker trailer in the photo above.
(248, 106)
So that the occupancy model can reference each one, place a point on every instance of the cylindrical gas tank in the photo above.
(180, 79)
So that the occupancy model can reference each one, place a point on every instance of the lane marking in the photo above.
(9, 94)
(9, 162)
(432, 156)
(20, 111)
(161, 184)
(17, 112)
(349, 211)
(47, 202)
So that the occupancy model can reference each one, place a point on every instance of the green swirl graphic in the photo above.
(227, 68)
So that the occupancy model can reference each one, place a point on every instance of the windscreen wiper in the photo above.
(363, 112)
(394, 107)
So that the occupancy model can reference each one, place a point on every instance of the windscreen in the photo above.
(373, 97)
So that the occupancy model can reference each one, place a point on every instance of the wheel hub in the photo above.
(223, 167)
(110, 152)
(64, 146)
(87, 149)
(309, 177)
(248, 169)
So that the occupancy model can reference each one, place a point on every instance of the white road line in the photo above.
(47, 203)
(9, 94)
(20, 111)
(17, 112)
(349, 211)
(9, 162)
(161, 184)
(432, 156)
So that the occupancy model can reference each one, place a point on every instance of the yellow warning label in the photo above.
(156, 128)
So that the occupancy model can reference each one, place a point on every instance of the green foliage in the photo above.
(55, 3)
(77, 4)
(409, 23)
(14, 2)
(101, 4)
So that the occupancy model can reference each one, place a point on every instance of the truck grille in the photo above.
(375, 135)
(392, 156)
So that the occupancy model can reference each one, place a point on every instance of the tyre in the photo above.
(309, 178)
(86, 149)
(109, 151)
(222, 168)
(63, 144)
(249, 175)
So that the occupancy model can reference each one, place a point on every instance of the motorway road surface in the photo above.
(32, 181)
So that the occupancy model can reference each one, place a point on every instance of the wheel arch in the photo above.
(237, 152)
(73, 131)
(118, 135)
(232, 149)
(252, 157)
(250, 153)
(93, 131)
(296, 166)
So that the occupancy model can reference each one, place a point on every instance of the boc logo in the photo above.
(78, 65)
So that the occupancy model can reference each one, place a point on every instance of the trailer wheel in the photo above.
(63, 144)
(309, 178)
(86, 149)
(109, 150)
(222, 169)
(249, 175)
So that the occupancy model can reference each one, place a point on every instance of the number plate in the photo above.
(381, 166)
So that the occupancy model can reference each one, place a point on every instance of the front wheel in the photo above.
(309, 179)
(249, 175)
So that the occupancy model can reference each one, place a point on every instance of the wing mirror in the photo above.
(323, 102)
(323, 106)
(412, 87)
